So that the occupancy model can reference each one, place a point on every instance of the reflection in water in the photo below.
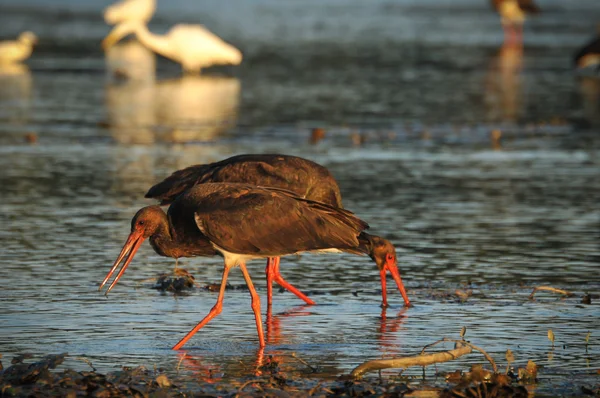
(194, 108)
(503, 85)
(130, 60)
(191, 108)
(15, 93)
(274, 335)
(590, 95)
(388, 327)
(204, 371)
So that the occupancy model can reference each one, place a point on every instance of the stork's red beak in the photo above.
(391, 265)
(134, 241)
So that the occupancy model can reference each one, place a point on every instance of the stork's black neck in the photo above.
(174, 240)
(162, 241)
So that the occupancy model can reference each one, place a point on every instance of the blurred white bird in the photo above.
(512, 14)
(193, 46)
(13, 51)
(130, 11)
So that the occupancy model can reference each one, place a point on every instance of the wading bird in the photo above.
(129, 11)
(588, 56)
(305, 178)
(15, 51)
(513, 14)
(241, 222)
(193, 46)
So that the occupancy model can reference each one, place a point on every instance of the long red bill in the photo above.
(391, 266)
(133, 243)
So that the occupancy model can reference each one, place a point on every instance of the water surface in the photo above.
(409, 95)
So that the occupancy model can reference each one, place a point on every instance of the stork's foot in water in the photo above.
(273, 274)
(218, 307)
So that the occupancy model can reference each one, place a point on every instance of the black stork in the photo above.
(513, 14)
(241, 222)
(589, 55)
(305, 178)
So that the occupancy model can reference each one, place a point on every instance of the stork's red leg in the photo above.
(216, 310)
(255, 304)
(273, 274)
(384, 302)
(269, 272)
(283, 283)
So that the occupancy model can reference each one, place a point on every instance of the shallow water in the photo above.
(412, 83)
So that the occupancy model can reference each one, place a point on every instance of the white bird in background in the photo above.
(134, 11)
(193, 46)
(191, 108)
(14, 51)
(512, 14)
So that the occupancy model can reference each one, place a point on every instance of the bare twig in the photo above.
(246, 384)
(474, 347)
(180, 360)
(550, 289)
(303, 362)
(86, 361)
(462, 348)
(405, 362)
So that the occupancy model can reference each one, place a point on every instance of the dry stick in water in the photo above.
(549, 289)
(474, 347)
(463, 348)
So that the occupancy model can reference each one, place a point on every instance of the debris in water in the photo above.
(181, 280)
(461, 348)
(528, 374)
(586, 299)
(551, 337)
(550, 289)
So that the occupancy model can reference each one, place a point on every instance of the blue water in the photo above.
(408, 93)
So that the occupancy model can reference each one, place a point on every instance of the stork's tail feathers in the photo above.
(180, 181)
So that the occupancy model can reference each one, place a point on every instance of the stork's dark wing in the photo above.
(304, 177)
(529, 6)
(251, 220)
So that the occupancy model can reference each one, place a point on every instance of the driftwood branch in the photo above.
(462, 342)
(550, 289)
(462, 348)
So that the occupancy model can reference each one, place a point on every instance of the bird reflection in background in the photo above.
(503, 85)
(186, 109)
(15, 94)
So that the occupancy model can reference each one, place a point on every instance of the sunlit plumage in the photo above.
(13, 51)
(193, 46)
(140, 11)
(513, 14)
